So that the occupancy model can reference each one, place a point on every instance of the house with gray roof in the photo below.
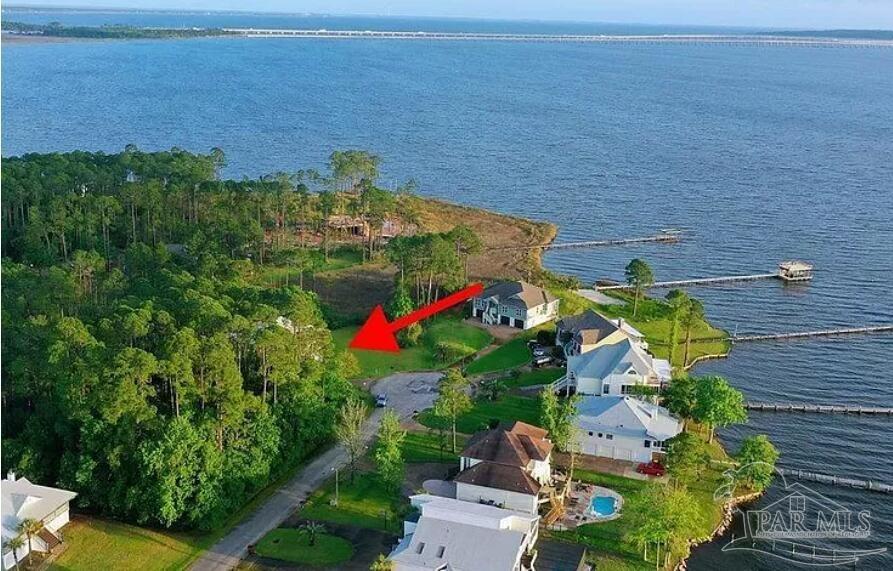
(581, 333)
(516, 304)
(623, 428)
(618, 369)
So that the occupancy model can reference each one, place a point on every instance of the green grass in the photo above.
(508, 356)
(534, 377)
(425, 447)
(293, 545)
(365, 503)
(507, 409)
(103, 544)
(423, 357)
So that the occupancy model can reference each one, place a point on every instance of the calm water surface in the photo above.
(760, 154)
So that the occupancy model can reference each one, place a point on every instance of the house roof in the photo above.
(500, 477)
(588, 321)
(516, 445)
(626, 416)
(612, 359)
(462, 536)
(438, 544)
(23, 500)
(519, 294)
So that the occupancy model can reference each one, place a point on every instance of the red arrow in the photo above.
(378, 335)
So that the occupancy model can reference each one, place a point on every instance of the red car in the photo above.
(651, 469)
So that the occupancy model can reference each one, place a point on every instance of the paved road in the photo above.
(407, 393)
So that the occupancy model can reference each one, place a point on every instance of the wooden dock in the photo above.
(837, 480)
(696, 281)
(660, 238)
(818, 408)
(821, 333)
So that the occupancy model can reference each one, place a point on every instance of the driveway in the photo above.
(407, 393)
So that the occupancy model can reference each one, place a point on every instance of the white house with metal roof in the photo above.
(516, 304)
(23, 500)
(616, 369)
(464, 536)
(623, 428)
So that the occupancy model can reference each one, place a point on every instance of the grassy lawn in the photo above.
(423, 357)
(365, 503)
(607, 541)
(293, 545)
(103, 544)
(534, 377)
(425, 447)
(508, 356)
(507, 409)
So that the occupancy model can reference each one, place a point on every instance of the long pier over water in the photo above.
(718, 39)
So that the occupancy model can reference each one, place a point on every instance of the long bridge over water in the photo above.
(713, 39)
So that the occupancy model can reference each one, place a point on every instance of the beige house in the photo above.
(581, 333)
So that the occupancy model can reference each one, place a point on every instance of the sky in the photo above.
(791, 14)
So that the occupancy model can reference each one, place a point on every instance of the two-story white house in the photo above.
(464, 536)
(23, 500)
(506, 467)
(617, 369)
(623, 428)
(516, 304)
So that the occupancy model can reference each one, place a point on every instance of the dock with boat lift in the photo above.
(788, 271)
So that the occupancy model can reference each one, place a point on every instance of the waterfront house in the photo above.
(516, 304)
(618, 369)
(452, 534)
(23, 500)
(506, 467)
(623, 428)
(581, 333)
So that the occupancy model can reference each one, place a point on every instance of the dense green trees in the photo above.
(557, 416)
(756, 457)
(142, 368)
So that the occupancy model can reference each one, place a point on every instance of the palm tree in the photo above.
(14, 544)
(639, 275)
(30, 527)
(312, 529)
(693, 314)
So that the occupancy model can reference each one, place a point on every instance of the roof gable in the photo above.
(499, 476)
(627, 415)
(617, 358)
(521, 294)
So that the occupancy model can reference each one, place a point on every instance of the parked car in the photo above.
(381, 400)
(651, 469)
(539, 351)
(541, 360)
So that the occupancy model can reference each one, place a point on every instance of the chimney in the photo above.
(11, 476)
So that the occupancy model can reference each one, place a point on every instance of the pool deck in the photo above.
(577, 511)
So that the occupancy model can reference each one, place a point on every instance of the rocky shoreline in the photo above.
(728, 514)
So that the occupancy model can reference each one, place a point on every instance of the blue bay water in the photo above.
(759, 154)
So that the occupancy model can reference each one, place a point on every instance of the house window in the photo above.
(440, 551)
(647, 444)
(600, 435)
(606, 389)
(420, 548)
(590, 433)
(609, 436)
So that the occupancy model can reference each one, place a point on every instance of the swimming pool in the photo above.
(603, 506)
